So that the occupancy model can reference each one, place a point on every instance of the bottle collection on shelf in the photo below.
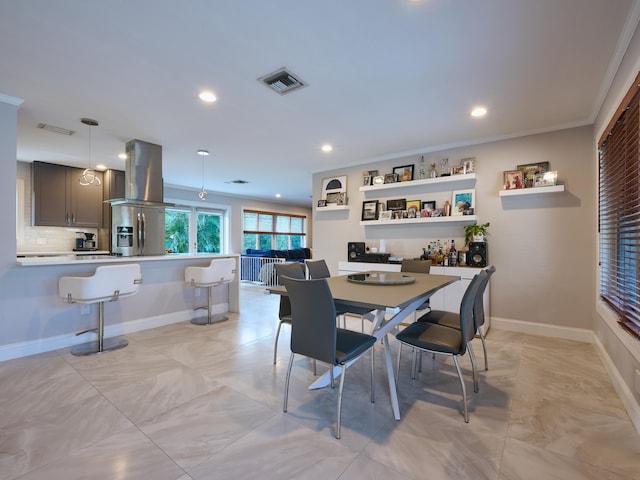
(445, 255)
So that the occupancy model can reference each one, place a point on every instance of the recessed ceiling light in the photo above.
(122, 156)
(479, 112)
(101, 167)
(204, 153)
(327, 148)
(207, 96)
(278, 195)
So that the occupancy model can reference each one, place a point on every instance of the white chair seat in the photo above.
(102, 285)
(108, 283)
(218, 272)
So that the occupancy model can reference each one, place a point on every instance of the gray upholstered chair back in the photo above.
(415, 266)
(318, 269)
(313, 314)
(467, 324)
(291, 270)
(478, 307)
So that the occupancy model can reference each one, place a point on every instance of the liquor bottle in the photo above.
(453, 255)
(423, 169)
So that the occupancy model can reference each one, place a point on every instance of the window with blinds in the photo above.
(269, 230)
(619, 213)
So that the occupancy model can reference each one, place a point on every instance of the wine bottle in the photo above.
(453, 255)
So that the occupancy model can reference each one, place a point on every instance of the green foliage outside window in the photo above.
(176, 233)
(208, 233)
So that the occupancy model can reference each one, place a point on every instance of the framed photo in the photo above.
(405, 173)
(391, 178)
(333, 185)
(378, 180)
(547, 179)
(462, 200)
(469, 164)
(338, 197)
(366, 180)
(413, 206)
(530, 170)
(512, 179)
(386, 215)
(372, 173)
(370, 210)
(430, 205)
(397, 204)
(322, 203)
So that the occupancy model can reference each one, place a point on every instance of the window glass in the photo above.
(208, 232)
(194, 230)
(176, 233)
(265, 231)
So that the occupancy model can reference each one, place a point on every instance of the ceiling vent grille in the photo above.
(237, 182)
(282, 81)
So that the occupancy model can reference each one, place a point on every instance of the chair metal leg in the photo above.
(373, 374)
(484, 350)
(101, 344)
(398, 363)
(286, 383)
(464, 390)
(474, 369)
(333, 383)
(209, 319)
(275, 345)
(344, 371)
(413, 364)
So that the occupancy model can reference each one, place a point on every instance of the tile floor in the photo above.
(187, 402)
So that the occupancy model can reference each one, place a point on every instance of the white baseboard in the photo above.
(626, 396)
(543, 329)
(33, 347)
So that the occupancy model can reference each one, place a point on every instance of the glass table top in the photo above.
(381, 278)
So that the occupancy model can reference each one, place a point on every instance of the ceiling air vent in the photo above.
(237, 182)
(282, 81)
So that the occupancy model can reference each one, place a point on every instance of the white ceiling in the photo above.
(387, 78)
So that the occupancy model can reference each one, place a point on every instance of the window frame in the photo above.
(273, 232)
(619, 212)
(193, 210)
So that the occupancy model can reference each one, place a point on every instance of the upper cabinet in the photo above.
(60, 200)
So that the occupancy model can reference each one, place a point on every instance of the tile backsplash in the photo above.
(39, 239)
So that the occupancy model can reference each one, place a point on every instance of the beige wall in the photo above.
(542, 245)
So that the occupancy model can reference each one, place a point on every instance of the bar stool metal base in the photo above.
(93, 348)
(208, 320)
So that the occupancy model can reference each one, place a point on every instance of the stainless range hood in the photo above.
(143, 175)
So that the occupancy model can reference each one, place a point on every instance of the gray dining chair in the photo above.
(438, 339)
(291, 270)
(314, 334)
(452, 320)
(417, 266)
(319, 269)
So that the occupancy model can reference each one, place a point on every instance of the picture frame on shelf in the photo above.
(547, 179)
(366, 180)
(429, 205)
(377, 180)
(530, 170)
(390, 178)
(369, 210)
(322, 203)
(333, 185)
(386, 215)
(512, 179)
(469, 164)
(462, 200)
(413, 208)
(339, 198)
(404, 172)
(397, 204)
(372, 173)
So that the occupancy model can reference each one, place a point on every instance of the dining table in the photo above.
(392, 298)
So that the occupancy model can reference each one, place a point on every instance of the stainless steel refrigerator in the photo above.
(137, 230)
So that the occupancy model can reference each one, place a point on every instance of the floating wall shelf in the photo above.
(422, 220)
(531, 191)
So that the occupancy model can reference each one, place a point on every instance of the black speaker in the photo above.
(477, 254)
(356, 249)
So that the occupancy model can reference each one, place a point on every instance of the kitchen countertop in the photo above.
(70, 258)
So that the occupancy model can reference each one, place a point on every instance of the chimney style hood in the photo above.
(143, 175)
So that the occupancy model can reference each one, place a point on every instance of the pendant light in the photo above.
(89, 176)
(203, 193)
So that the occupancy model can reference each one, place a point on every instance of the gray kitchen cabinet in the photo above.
(113, 187)
(60, 200)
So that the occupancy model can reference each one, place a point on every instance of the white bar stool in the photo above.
(107, 284)
(218, 272)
